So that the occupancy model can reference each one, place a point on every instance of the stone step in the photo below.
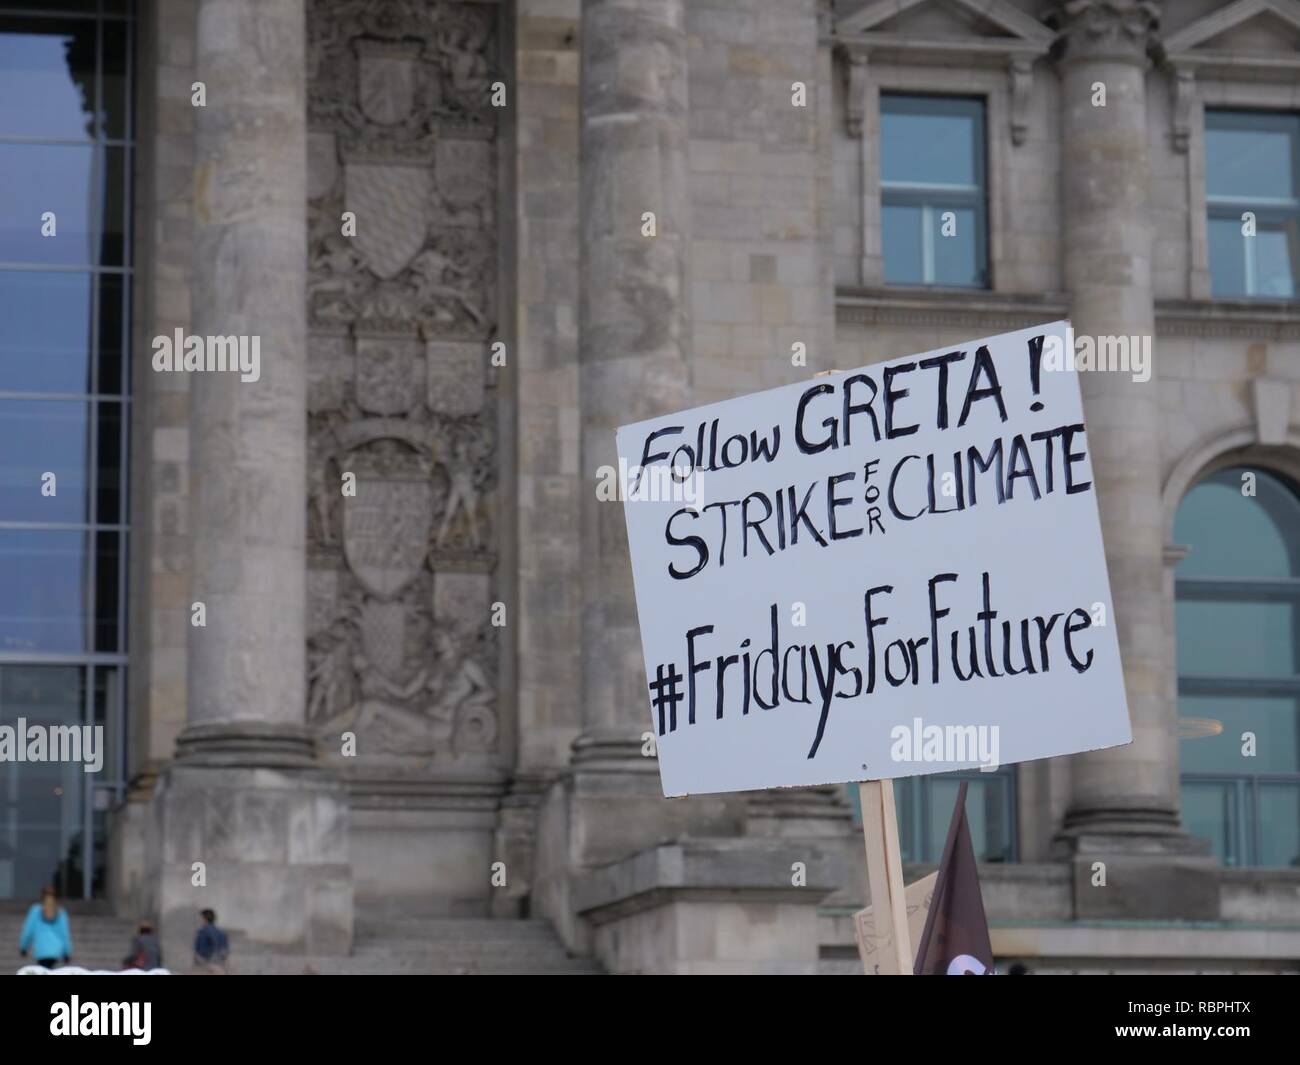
(401, 945)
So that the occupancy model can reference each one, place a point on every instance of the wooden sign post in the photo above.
(885, 871)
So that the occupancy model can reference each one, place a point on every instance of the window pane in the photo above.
(47, 77)
(1249, 155)
(41, 802)
(112, 307)
(45, 321)
(901, 241)
(43, 573)
(1227, 257)
(1210, 812)
(108, 546)
(931, 140)
(1274, 249)
(112, 237)
(1279, 824)
(1270, 718)
(1236, 535)
(58, 178)
(39, 437)
(956, 257)
(108, 504)
(114, 103)
(1235, 639)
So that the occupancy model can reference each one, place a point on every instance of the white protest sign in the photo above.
(878, 573)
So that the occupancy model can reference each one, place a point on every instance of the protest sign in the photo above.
(879, 573)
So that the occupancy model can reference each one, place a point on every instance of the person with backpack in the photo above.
(145, 951)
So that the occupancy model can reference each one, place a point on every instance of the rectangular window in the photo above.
(1252, 197)
(933, 198)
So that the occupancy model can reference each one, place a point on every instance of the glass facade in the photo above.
(1238, 594)
(65, 290)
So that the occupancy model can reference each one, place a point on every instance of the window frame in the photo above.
(1243, 845)
(1269, 212)
(933, 198)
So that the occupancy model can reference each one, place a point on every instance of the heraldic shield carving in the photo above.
(401, 309)
(386, 531)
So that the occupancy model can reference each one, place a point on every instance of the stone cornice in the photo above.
(990, 311)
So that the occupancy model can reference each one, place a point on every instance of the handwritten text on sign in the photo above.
(913, 542)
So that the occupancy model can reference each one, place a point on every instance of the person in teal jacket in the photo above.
(45, 932)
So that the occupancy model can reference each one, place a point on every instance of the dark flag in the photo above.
(956, 937)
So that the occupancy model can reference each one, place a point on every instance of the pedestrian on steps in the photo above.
(45, 932)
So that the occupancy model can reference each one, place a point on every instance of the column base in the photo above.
(267, 849)
(246, 744)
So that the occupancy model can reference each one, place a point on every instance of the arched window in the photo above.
(1238, 602)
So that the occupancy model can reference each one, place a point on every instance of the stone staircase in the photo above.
(412, 946)
(99, 940)
(398, 946)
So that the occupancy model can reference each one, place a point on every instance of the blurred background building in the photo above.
(408, 731)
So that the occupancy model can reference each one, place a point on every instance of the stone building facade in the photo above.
(426, 696)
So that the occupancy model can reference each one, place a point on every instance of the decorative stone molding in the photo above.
(1106, 29)
(1021, 70)
(1020, 40)
(401, 313)
(855, 97)
(1272, 398)
(1184, 101)
(1235, 319)
(981, 311)
(1186, 48)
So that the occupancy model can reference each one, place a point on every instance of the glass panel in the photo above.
(1279, 825)
(44, 576)
(1249, 155)
(1272, 719)
(1235, 535)
(1274, 250)
(901, 242)
(107, 549)
(45, 321)
(112, 242)
(931, 140)
(987, 812)
(39, 437)
(47, 77)
(39, 178)
(1235, 639)
(41, 801)
(956, 257)
(1227, 257)
(1210, 812)
(112, 306)
(114, 104)
(108, 504)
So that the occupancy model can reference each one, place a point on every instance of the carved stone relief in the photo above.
(401, 313)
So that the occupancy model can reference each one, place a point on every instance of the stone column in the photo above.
(632, 316)
(244, 796)
(633, 364)
(1122, 797)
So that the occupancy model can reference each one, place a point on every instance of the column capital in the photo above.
(1116, 30)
